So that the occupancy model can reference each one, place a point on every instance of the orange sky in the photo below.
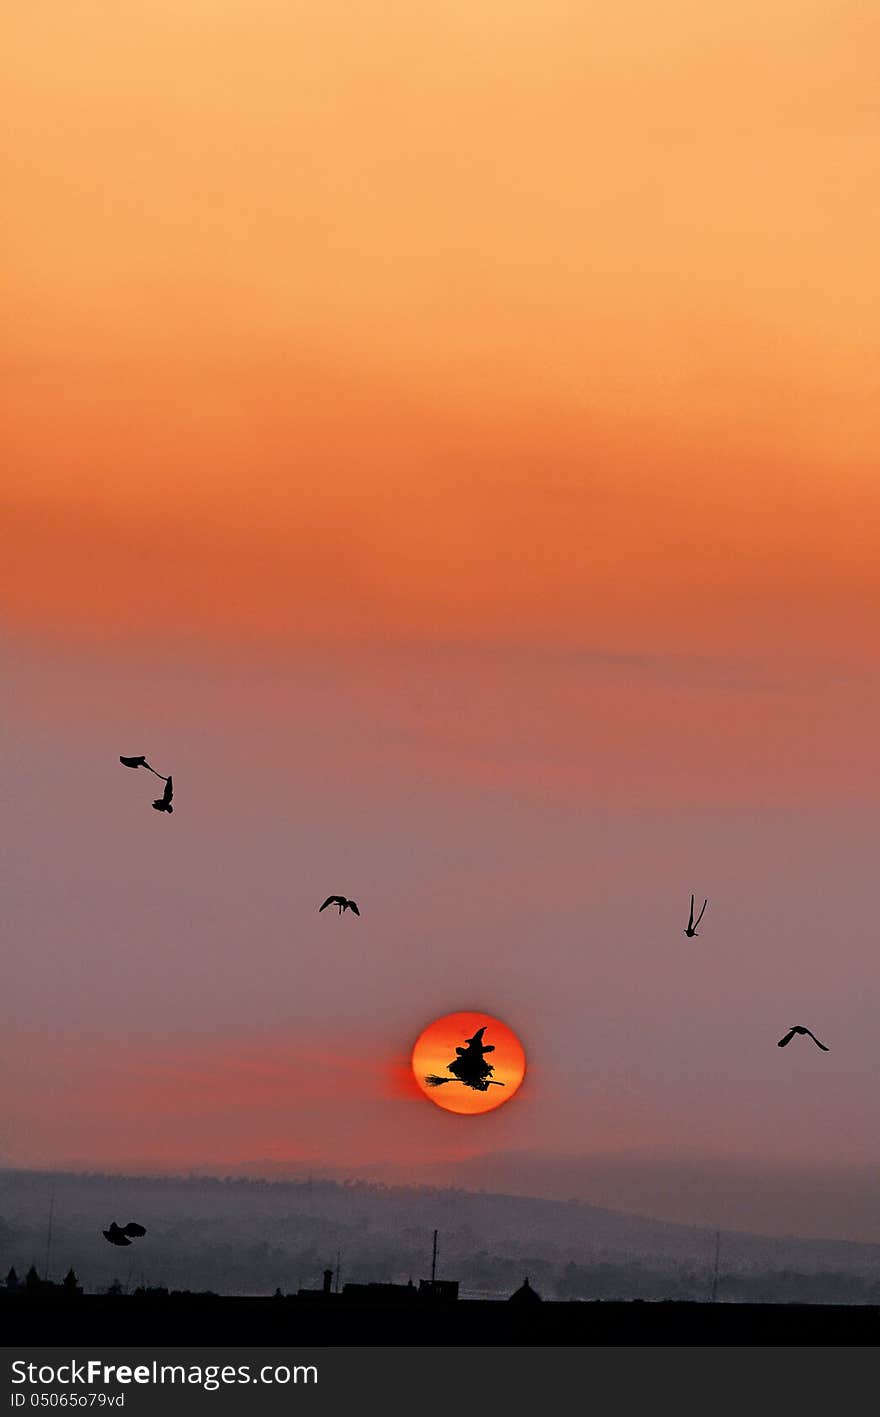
(311, 306)
(447, 437)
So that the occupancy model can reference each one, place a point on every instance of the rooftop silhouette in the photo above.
(525, 1295)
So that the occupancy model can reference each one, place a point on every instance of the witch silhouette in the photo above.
(469, 1066)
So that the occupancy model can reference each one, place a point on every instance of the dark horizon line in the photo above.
(258, 1168)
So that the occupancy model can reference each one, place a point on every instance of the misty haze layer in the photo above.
(481, 523)
(247, 1237)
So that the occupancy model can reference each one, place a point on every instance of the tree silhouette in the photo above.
(70, 1280)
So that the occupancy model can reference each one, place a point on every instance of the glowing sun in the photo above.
(468, 1062)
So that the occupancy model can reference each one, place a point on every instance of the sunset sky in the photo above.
(445, 437)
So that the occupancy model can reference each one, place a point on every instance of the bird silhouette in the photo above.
(140, 762)
(119, 1234)
(692, 923)
(163, 803)
(341, 901)
(798, 1028)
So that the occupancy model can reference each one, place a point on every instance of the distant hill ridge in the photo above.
(240, 1235)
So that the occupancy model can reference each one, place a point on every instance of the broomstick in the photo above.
(433, 1081)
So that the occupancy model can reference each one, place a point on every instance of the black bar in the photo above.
(457, 1381)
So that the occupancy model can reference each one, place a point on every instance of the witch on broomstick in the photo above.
(470, 1066)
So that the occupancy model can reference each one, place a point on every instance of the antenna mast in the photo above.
(715, 1271)
(434, 1261)
(49, 1234)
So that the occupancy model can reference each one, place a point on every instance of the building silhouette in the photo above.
(371, 1295)
(525, 1296)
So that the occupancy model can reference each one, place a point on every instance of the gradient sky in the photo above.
(446, 438)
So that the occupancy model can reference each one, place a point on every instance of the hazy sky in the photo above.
(444, 437)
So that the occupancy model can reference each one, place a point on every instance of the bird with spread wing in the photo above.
(139, 762)
(121, 1234)
(692, 923)
(341, 902)
(798, 1028)
(163, 803)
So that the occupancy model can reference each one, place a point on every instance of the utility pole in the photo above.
(434, 1261)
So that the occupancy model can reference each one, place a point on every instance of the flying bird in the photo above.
(784, 1042)
(119, 1234)
(692, 923)
(140, 762)
(341, 901)
(163, 803)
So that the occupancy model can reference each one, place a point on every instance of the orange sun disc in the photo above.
(445, 1042)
